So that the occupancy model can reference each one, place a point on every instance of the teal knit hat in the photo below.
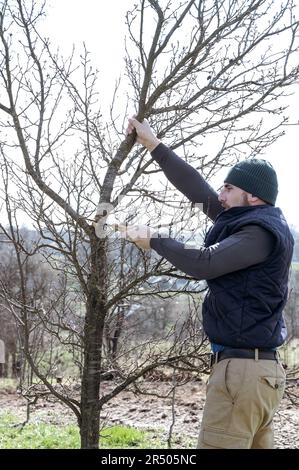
(255, 176)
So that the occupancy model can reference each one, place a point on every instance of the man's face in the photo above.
(232, 196)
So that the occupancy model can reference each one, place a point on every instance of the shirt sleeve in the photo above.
(247, 247)
(187, 180)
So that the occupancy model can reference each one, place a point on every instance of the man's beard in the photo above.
(245, 200)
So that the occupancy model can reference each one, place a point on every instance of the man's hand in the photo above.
(138, 234)
(145, 135)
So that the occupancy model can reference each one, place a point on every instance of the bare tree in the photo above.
(34, 301)
(207, 73)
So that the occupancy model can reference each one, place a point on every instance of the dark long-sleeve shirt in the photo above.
(187, 180)
(250, 246)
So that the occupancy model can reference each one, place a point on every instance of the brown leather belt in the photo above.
(256, 354)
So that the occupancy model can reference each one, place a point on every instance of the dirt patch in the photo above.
(155, 413)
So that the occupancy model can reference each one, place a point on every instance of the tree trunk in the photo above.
(117, 331)
(93, 338)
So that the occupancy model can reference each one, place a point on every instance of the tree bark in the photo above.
(93, 338)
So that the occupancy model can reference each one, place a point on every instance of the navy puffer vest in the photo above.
(243, 309)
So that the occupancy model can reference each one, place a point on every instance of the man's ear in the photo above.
(253, 199)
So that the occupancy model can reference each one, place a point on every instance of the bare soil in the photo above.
(153, 413)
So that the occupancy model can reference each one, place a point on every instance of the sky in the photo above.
(101, 25)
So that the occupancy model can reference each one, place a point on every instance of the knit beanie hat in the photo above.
(255, 176)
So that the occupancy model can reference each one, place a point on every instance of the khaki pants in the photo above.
(242, 398)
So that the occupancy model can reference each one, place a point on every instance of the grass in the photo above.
(123, 437)
(295, 265)
(8, 385)
(48, 436)
(36, 436)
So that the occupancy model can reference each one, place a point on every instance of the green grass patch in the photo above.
(36, 436)
(123, 437)
(48, 436)
(295, 265)
(8, 385)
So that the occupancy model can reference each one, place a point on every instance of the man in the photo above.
(246, 261)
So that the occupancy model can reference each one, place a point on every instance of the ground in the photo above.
(151, 412)
(156, 414)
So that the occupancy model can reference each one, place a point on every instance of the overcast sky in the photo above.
(101, 25)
